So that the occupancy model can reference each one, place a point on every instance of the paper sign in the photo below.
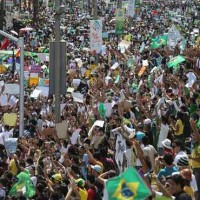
(44, 91)
(13, 101)
(145, 63)
(99, 123)
(4, 100)
(142, 70)
(159, 79)
(116, 65)
(1, 83)
(2, 69)
(26, 75)
(76, 82)
(77, 96)
(191, 79)
(108, 108)
(35, 75)
(11, 145)
(70, 90)
(35, 69)
(11, 88)
(35, 94)
(61, 129)
(10, 119)
(33, 81)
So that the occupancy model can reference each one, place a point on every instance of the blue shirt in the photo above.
(167, 171)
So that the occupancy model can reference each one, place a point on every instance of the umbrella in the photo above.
(26, 29)
(14, 32)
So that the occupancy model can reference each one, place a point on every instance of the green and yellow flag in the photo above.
(128, 185)
(158, 42)
(23, 185)
(175, 61)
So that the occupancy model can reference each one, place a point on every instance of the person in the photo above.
(179, 126)
(167, 147)
(164, 130)
(178, 149)
(177, 187)
(2, 189)
(169, 167)
(149, 152)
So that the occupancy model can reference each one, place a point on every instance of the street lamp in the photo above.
(20, 42)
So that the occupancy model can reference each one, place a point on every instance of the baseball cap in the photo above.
(57, 177)
(80, 182)
(96, 168)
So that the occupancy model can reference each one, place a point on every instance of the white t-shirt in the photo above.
(179, 155)
(149, 151)
(75, 136)
(164, 130)
(5, 135)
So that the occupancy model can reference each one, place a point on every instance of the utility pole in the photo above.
(2, 14)
(95, 13)
(20, 42)
(57, 61)
(95, 10)
(57, 73)
(119, 3)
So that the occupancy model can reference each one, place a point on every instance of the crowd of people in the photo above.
(133, 110)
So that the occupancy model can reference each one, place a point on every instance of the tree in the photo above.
(2, 15)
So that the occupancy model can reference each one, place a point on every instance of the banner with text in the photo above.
(95, 36)
(120, 23)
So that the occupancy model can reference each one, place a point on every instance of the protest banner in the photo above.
(119, 24)
(11, 88)
(95, 36)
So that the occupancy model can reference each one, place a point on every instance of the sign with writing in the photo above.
(35, 69)
(11, 88)
(95, 36)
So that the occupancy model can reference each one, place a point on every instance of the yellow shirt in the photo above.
(195, 154)
(83, 194)
(13, 167)
(87, 73)
(92, 67)
(181, 126)
(189, 190)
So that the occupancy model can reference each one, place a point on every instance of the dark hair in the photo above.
(180, 116)
(91, 178)
(145, 140)
(179, 143)
(168, 158)
(178, 179)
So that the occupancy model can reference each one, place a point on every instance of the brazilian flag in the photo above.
(128, 185)
(158, 42)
